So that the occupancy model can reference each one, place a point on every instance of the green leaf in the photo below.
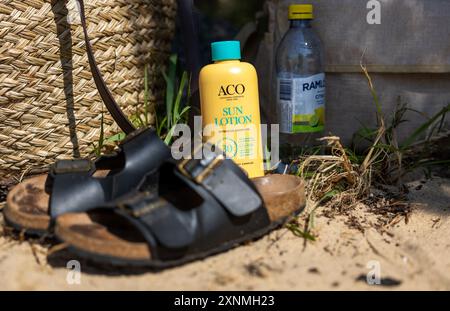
(413, 137)
(329, 195)
(169, 136)
(99, 147)
(427, 163)
(181, 119)
(185, 110)
(367, 133)
(116, 138)
(137, 120)
(176, 108)
(386, 147)
(161, 125)
(353, 157)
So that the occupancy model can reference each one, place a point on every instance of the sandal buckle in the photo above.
(141, 205)
(72, 166)
(199, 170)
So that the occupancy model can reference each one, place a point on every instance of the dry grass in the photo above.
(335, 174)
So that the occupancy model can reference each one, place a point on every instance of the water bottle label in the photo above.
(301, 104)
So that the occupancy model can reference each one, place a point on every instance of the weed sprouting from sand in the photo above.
(334, 181)
(98, 147)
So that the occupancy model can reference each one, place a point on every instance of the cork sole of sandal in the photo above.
(27, 205)
(105, 237)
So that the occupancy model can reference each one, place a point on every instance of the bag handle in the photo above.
(112, 106)
(190, 32)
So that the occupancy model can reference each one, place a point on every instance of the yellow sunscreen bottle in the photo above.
(230, 107)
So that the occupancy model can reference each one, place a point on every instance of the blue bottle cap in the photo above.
(225, 50)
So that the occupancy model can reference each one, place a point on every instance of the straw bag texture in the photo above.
(49, 105)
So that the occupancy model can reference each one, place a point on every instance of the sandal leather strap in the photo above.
(73, 187)
(222, 183)
(197, 219)
(160, 217)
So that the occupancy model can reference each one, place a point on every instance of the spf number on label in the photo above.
(229, 146)
(246, 301)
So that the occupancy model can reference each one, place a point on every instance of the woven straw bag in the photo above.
(49, 105)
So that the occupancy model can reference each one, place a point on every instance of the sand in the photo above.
(413, 256)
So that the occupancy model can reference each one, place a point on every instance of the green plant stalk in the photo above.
(146, 95)
(170, 79)
(299, 233)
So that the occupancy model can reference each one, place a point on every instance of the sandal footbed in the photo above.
(282, 194)
(91, 234)
(27, 205)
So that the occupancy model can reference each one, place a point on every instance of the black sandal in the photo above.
(203, 207)
(78, 185)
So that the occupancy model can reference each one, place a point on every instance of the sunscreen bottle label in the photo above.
(235, 126)
(301, 104)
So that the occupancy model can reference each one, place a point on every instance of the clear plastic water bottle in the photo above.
(300, 85)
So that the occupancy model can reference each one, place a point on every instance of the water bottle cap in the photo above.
(225, 50)
(301, 11)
